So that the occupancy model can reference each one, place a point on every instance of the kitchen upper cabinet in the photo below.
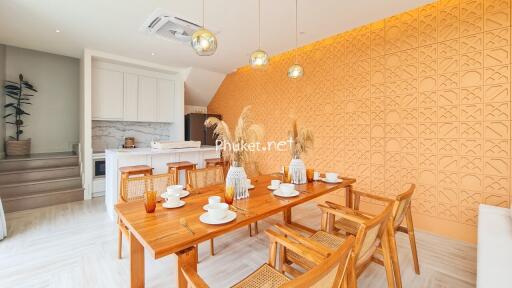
(107, 94)
(147, 99)
(129, 94)
(164, 101)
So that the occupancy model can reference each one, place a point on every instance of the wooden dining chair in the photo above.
(401, 211)
(329, 272)
(371, 236)
(133, 189)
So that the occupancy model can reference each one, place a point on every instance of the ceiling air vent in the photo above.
(170, 27)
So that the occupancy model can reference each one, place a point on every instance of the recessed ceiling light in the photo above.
(57, 31)
(152, 53)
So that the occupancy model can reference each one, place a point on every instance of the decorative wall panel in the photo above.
(421, 97)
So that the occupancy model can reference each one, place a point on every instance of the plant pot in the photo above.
(17, 148)
(297, 171)
(237, 178)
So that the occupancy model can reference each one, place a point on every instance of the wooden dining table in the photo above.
(178, 231)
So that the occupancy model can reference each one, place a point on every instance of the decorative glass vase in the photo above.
(297, 171)
(237, 178)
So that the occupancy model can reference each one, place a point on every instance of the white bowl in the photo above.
(175, 188)
(287, 188)
(217, 211)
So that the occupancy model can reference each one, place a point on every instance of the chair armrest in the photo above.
(193, 279)
(372, 196)
(310, 244)
(296, 247)
(344, 213)
(348, 210)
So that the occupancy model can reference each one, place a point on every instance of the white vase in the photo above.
(237, 178)
(297, 171)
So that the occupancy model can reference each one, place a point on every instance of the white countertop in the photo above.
(150, 151)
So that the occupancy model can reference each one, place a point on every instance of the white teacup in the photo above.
(213, 200)
(275, 183)
(217, 211)
(331, 176)
(172, 197)
(316, 175)
(287, 188)
(175, 189)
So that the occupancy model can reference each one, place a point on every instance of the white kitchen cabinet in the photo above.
(147, 99)
(124, 93)
(131, 95)
(107, 94)
(164, 101)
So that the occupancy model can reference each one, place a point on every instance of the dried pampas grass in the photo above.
(302, 140)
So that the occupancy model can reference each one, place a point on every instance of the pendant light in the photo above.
(259, 58)
(204, 41)
(296, 71)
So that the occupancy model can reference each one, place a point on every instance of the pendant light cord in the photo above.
(203, 15)
(296, 28)
(259, 24)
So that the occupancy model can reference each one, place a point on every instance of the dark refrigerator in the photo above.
(195, 129)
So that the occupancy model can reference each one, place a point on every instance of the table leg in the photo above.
(136, 263)
(187, 257)
(287, 216)
(348, 196)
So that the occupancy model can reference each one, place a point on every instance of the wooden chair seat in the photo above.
(326, 239)
(265, 276)
(136, 170)
(181, 165)
(214, 162)
(348, 226)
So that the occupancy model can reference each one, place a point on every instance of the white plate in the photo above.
(250, 186)
(270, 187)
(230, 216)
(280, 194)
(173, 205)
(183, 193)
(326, 181)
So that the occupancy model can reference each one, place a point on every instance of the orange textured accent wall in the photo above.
(420, 97)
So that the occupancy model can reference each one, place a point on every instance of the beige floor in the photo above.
(74, 245)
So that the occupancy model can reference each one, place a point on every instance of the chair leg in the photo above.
(351, 273)
(256, 227)
(394, 256)
(250, 230)
(387, 260)
(412, 240)
(212, 248)
(119, 243)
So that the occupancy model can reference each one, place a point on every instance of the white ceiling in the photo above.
(113, 26)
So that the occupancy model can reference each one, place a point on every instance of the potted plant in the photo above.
(235, 148)
(301, 142)
(17, 96)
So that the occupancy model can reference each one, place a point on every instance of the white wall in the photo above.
(2, 99)
(201, 85)
(54, 121)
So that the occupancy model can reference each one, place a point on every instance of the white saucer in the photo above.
(279, 193)
(173, 205)
(230, 216)
(183, 193)
(250, 186)
(270, 187)
(326, 181)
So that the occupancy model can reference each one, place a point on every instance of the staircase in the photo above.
(40, 180)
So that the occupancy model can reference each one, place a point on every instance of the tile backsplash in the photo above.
(111, 134)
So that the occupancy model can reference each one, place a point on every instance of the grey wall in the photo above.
(2, 98)
(54, 121)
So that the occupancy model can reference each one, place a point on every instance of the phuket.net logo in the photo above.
(283, 145)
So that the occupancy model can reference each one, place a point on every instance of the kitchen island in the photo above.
(156, 158)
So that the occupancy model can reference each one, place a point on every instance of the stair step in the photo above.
(29, 175)
(15, 190)
(42, 199)
(38, 161)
